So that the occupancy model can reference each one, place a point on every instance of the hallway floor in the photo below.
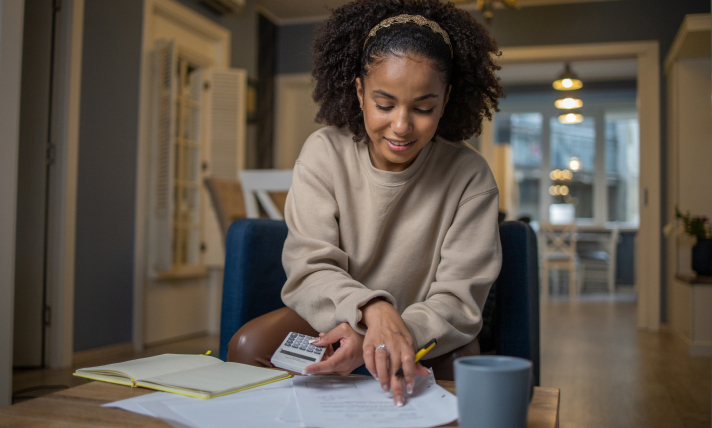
(610, 374)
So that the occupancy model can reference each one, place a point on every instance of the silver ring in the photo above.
(383, 346)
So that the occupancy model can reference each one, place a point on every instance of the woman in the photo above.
(393, 236)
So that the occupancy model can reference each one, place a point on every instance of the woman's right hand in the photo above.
(385, 326)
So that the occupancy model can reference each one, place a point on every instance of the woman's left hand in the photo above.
(346, 358)
(387, 328)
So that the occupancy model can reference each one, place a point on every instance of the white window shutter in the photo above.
(228, 122)
(163, 143)
(226, 125)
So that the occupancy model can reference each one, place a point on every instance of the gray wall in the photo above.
(106, 193)
(596, 22)
(106, 199)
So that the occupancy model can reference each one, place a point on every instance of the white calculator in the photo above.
(296, 352)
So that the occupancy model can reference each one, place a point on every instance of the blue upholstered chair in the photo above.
(254, 277)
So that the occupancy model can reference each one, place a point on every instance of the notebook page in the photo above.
(156, 366)
(218, 379)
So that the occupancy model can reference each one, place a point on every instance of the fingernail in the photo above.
(306, 373)
(321, 334)
(313, 340)
(385, 387)
(400, 401)
(409, 388)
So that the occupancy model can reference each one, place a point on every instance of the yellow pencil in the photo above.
(424, 350)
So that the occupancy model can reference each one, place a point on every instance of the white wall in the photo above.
(689, 175)
(11, 18)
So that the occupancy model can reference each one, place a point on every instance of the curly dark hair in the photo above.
(340, 57)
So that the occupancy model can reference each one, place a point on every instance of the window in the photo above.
(573, 142)
(602, 183)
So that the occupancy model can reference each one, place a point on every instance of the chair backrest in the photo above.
(258, 183)
(228, 201)
(516, 315)
(254, 277)
(559, 239)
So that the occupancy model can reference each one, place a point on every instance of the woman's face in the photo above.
(402, 98)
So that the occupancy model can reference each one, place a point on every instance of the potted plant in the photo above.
(700, 228)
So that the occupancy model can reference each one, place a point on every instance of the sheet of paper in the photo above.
(291, 413)
(134, 404)
(357, 402)
(256, 407)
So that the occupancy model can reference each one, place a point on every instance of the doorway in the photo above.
(645, 54)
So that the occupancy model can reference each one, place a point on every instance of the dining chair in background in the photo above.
(599, 266)
(558, 252)
(259, 184)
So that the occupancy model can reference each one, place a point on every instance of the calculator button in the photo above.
(301, 335)
(296, 345)
(293, 335)
(317, 351)
(311, 348)
(303, 347)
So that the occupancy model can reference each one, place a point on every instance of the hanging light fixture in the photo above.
(569, 101)
(486, 7)
(567, 80)
(570, 117)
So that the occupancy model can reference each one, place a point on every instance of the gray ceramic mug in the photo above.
(492, 391)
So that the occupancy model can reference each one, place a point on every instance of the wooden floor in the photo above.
(610, 374)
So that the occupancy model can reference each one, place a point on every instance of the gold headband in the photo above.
(417, 19)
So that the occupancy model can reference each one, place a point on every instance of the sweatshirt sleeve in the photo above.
(318, 285)
(470, 261)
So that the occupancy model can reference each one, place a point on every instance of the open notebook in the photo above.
(198, 376)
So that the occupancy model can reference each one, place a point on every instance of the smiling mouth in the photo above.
(400, 143)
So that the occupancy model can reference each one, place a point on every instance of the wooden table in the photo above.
(80, 407)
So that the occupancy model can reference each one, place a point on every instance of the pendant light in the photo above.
(570, 117)
(569, 101)
(567, 80)
(486, 7)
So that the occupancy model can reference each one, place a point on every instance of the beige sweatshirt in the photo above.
(425, 239)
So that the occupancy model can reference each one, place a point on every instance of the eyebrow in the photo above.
(421, 98)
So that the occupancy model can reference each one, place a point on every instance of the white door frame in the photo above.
(648, 255)
(11, 23)
(63, 183)
(221, 36)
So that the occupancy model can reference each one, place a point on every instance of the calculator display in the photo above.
(294, 354)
